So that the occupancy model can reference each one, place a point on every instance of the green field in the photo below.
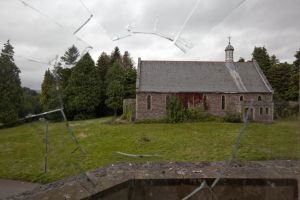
(22, 147)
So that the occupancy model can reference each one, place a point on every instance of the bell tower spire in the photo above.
(229, 51)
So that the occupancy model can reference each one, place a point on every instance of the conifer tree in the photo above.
(63, 74)
(130, 75)
(294, 86)
(70, 56)
(115, 73)
(10, 86)
(262, 57)
(116, 56)
(103, 64)
(115, 96)
(280, 77)
(83, 92)
(127, 60)
(48, 92)
(115, 81)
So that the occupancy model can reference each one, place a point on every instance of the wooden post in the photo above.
(46, 145)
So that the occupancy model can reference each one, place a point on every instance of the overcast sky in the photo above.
(41, 36)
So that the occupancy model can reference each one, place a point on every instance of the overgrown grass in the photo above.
(22, 147)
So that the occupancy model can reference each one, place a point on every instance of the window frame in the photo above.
(149, 102)
(223, 102)
(261, 110)
(167, 100)
(241, 98)
(267, 111)
(259, 98)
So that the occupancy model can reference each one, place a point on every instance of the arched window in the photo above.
(242, 98)
(259, 98)
(148, 102)
(167, 101)
(260, 110)
(223, 103)
(267, 110)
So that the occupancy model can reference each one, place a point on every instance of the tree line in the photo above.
(283, 77)
(89, 89)
(15, 101)
(85, 89)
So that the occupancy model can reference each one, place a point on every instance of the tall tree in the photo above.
(116, 56)
(274, 61)
(103, 63)
(280, 77)
(63, 74)
(84, 89)
(10, 86)
(115, 81)
(130, 75)
(115, 72)
(297, 61)
(70, 55)
(127, 60)
(294, 87)
(31, 103)
(48, 93)
(115, 96)
(262, 57)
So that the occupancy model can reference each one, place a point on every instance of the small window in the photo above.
(267, 111)
(223, 102)
(167, 100)
(148, 102)
(260, 111)
(241, 98)
(259, 98)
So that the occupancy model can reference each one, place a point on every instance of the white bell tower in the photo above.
(229, 52)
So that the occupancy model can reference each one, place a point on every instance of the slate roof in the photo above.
(229, 47)
(198, 76)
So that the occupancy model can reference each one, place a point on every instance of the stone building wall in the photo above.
(158, 106)
(233, 104)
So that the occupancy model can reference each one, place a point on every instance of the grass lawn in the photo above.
(22, 147)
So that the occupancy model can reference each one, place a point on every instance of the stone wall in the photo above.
(158, 106)
(233, 104)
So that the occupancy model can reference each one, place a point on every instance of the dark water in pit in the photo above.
(227, 189)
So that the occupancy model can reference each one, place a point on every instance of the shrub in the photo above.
(232, 118)
(83, 116)
(175, 110)
(282, 110)
(128, 110)
(8, 116)
(197, 114)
